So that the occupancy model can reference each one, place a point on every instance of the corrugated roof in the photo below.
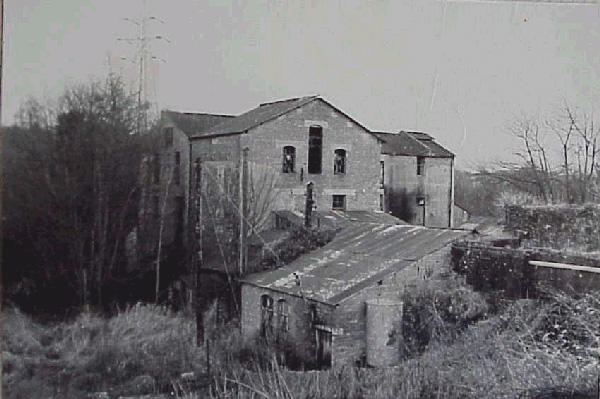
(358, 257)
(258, 116)
(195, 124)
(412, 144)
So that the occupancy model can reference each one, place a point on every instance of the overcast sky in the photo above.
(459, 70)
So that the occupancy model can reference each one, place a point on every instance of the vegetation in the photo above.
(527, 349)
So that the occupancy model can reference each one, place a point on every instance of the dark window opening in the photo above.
(339, 162)
(283, 315)
(382, 181)
(177, 169)
(381, 202)
(168, 136)
(339, 203)
(266, 319)
(420, 165)
(289, 158)
(315, 149)
(314, 318)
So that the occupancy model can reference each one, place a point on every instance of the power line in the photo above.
(142, 42)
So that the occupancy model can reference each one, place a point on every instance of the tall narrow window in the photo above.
(289, 158)
(420, 166)
(315, 149)
(168, 136)
(339, 203)
(283, 314)
(266, 316)
(382, 177)
(177, 168)
(339, 162)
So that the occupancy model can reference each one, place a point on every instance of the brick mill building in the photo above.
(301, 141)
(390, 193)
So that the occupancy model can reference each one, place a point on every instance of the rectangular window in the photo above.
(420, 166)
(289, 155)
(168, 136)
(381, 202)
(382, 181)
(339, 162)
(339, 203)
(177, 169)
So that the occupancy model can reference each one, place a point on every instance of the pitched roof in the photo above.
(411, 143)
(195, 124)
(259, 115)
(357, 258)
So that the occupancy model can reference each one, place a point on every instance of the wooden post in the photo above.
(198, 256)
(242, 207)
(309, 206)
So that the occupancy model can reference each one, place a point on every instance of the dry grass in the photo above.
(147, 344)
(530, 349)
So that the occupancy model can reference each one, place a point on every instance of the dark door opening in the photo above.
(323, 355)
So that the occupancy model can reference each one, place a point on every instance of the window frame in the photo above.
(168, 132)
(266, 315)
(315, 150)
(340, 156)
(333, 202)
(287, 163)
(420, 166)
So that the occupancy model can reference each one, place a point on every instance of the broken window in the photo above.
(420, 165)
(177, 169)
(168, 136)
(266, 317)
(315, 149)
(283, 314)
(339, 162)
(339, 203)
(289, 158)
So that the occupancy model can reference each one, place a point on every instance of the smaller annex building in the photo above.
(341, 303)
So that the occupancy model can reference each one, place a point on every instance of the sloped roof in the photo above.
(259, 115)
(195, 124)
(412, 144)
(357, 258)
(339, 219)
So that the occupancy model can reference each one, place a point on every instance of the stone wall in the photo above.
(557, 226)
(506, 270)
(360, 182)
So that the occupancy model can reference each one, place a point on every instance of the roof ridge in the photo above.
(416, 140)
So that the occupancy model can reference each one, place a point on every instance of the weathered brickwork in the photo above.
(359, 183)
(404, 188)
(348, 319)
(300, 331)
(350, 315)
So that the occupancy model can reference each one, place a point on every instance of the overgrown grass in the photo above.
(529, 349)
(138, 350)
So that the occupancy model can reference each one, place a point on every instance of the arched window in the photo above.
(315, 149)
(289, 159)
(339, 162)
(266, 315)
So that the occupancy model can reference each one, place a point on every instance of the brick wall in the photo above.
(403, 186)
(301, 333)
(350, 315)
(360, 183)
